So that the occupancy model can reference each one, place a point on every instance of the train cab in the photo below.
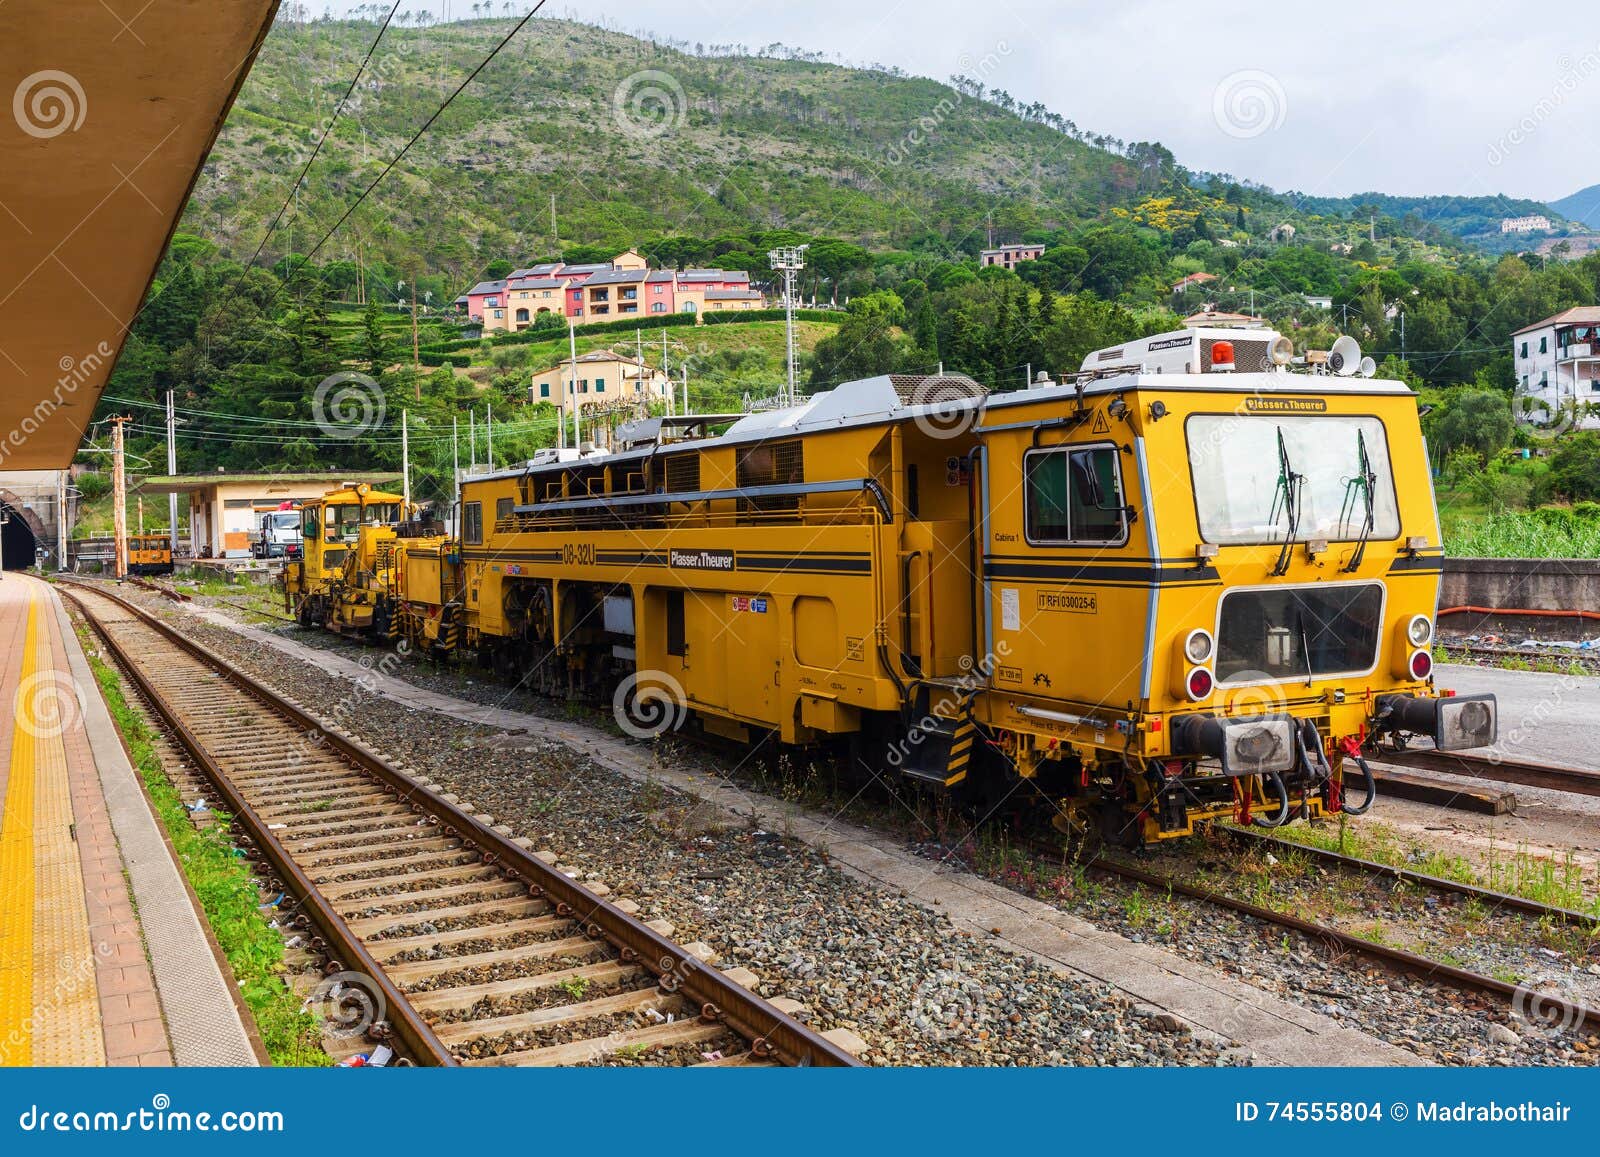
(339, 535)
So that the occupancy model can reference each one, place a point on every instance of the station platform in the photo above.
(104, 958)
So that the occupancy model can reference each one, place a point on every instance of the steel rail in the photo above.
(771, 1032)
(1396, 959)
(1525, 772)
(1420, 879)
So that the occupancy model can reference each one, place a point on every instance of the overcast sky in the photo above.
(1470, 97)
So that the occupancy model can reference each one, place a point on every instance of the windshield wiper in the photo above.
(1286, 499)
(1361, 484)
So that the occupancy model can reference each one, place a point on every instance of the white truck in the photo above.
(277, 534)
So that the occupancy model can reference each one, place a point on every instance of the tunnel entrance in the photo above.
(17, 541)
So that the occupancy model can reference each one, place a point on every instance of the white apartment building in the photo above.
(1535, 223)
(1557, 362)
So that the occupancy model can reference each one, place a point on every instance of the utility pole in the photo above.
(491, 437)
(555, 235)
(686, 410)
(141, 516)
(172, 469)
(455, 462)
(119, 497)
(405, 466)
(572, 382)
(416, 357)
(1402, 336)
(472, 441)
(789, 260)
(61, 520)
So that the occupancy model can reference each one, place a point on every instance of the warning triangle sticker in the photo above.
(1100, 424)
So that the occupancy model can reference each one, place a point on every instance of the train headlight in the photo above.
(1420, 630)
(1455, 722)
(1467, 722)
(1198, 645)
(1253, 746)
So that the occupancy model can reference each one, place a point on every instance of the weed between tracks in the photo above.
(224, 885)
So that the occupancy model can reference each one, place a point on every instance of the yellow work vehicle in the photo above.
(150, 553)
(1190, 581)
(334, 581)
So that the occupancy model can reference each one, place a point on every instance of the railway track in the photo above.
(1577, 1015)
(1493, 767)
(467, 947)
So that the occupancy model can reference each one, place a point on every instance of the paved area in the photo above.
(1274, 1031)
(1546, 717)
(103, 959)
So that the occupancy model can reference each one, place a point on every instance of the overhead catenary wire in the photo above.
(415, 137)
(299, 180)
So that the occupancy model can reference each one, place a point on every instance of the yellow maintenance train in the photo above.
(1193, 580)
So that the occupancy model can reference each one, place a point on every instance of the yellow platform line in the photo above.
(49, 1003)
(69, 1031)
(16, 880)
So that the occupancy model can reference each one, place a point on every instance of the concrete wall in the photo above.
(1540, 584)
(1537, 584)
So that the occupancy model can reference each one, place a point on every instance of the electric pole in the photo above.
(405, 466)
(119, 497)
(416, 357)
(572, 381)
(789, 260)
(61, 520)
(172, 470)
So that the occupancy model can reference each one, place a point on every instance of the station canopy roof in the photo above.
(190, 483)
(115, 104)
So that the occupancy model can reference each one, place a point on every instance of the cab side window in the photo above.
(472, 523)
(1074, 496)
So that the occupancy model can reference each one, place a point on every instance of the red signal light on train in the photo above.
(1222, 357)
(1421, 665)
(1200, 684)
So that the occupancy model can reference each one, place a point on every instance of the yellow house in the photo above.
(600, 376)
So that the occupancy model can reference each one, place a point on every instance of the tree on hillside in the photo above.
(1477, 420)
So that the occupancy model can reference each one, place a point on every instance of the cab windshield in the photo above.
(346, 519)
(1267, 478)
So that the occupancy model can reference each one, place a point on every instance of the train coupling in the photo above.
(1256, 745)
(1454, 722)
